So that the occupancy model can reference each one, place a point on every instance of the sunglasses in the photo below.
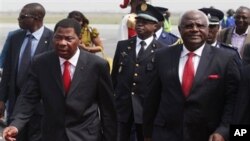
(21, 17)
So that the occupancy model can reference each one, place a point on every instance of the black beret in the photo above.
(162, 10)
(214, 15)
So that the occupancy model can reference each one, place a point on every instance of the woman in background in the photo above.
(90, 39)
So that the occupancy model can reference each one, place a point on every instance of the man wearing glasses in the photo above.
(32, 39)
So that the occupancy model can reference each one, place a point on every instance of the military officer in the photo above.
(132, 71)
(214, 17)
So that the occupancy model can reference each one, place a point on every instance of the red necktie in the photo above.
(66, 76)
(188, 75)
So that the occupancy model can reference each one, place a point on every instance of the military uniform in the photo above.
(133, 71)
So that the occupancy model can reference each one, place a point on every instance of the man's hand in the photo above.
(216, 137)
(9, 133)
(2, 108)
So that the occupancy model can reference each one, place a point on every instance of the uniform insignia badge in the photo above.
(124, 54)
(144, 7)
(120, 69)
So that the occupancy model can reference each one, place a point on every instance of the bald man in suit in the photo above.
(192, 94)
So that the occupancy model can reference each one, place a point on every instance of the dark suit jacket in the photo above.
(206, 110)
(131, 77)
(8, 87)
(246, 54)
(86, 113)
(242, 108)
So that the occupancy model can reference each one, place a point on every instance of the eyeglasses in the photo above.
(21, 17)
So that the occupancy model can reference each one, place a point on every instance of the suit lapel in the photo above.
(56, 71)
(17, 46)
(79, 72)
(247, 40)
(150, 49)
(43, 43)
(131, 49)
(175, 64)
(229, 36)
(204, 63)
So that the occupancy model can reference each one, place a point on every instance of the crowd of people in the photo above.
(161, 88)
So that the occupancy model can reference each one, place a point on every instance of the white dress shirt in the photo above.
(138, 45)
(73, 61)
(184, 57)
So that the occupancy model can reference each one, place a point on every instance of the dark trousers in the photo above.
(124, 131)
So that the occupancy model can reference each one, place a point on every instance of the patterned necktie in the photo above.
(66, 76)
(142, 49)
(25, 61)
(188, 75)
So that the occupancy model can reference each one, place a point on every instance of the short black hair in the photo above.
(69, 23)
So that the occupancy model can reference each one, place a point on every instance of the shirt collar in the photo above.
(244, 34)
(148, 40)
(73, 60)
(37, 34)
(197, 52)
(158, 33)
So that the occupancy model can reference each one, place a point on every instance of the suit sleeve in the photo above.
(5, 80)
(106, 104)
(28, 99)
(232, 80)
(115, 68)
(241, 111)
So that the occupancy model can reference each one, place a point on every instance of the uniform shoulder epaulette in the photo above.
(228, 46)
(179, 41)
(173, 35)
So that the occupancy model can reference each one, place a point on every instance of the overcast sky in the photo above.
(113, 5)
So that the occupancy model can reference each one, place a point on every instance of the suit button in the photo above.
(134, 84)
(137, 65)
(132, 93)
(135, 74)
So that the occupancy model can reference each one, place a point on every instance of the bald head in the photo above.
(193, 28)
(189, 13)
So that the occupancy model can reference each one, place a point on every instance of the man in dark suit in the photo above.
(192, 95)
(75, 88)
(17, 62)
(133, 65)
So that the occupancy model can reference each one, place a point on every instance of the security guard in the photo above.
(132, 72)
(166, 38)
(214, 17)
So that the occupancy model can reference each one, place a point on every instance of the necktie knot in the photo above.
(190, 55)
(66, 64)
(143, 44)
